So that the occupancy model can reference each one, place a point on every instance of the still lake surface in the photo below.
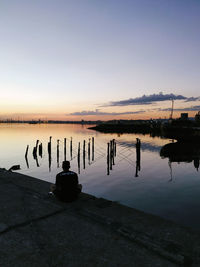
(172, 192)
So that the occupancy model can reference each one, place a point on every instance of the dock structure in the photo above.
(38, 230)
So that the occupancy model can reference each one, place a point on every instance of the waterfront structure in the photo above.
(184, 116)
(197, 117)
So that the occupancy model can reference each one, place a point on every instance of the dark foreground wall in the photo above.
(37, 230)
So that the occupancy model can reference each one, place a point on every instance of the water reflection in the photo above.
(36, 160)
(27, 164)
(178, 200)
(182, 152)
(147, 145)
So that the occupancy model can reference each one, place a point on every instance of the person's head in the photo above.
(66, 165)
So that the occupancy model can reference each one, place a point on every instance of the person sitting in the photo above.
(66, 187)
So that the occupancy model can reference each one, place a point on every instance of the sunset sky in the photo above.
(99, 59)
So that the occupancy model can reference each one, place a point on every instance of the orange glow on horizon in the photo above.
(63, 117)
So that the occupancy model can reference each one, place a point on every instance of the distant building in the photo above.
(184, 116)
(197, 117)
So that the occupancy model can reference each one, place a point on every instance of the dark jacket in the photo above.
(67, 186)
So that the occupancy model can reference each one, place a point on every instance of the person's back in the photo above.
(67, 187)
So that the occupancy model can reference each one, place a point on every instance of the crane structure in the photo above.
(172, 110)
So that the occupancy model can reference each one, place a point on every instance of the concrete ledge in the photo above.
(109, 234)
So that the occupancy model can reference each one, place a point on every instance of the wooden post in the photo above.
(36, 146)
(79, 148)
(92, 148)
(49, 157)
(65, 149)
(84, 146)
(49, 152)
(84, 154)
(49, 145)
(35, 150)
(58, 153)
(40, 150)
(113, 151)
(138, 146)
(89, 151)
(26, 154)
(71, 148)
(115, 148)
(111, 155)
(108, 158)
(79, 157)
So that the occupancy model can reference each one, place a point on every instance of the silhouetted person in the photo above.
(66, 187)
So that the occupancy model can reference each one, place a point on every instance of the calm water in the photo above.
(172, 192)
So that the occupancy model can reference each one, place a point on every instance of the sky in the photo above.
(99, 59)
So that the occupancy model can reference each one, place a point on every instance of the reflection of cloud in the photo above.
(193, 108)
(189, 99)
(149, 99)
(99, 113)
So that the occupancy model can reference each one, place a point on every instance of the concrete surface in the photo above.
(38, 230)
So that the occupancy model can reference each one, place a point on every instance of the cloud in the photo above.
(189, 99)
(100, 113)
(149, 99)
(192, 108)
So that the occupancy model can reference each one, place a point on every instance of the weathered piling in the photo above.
(49, 158)
(115, 148)
(49, 152)
(58, 153)
(92, 148)
(78, 157)
(65, 150)
(26, 154)
(34, 152)
(37, 142)
(71, 147)
(89, 152)
(113, 151)
(49, 145)
(40, 150)
(84, 154)
(111, 155)
(35, 149)
(83, 146)
(138, 156)
(108, 158)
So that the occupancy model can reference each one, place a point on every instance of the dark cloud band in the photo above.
(99, 113)
(149, 99)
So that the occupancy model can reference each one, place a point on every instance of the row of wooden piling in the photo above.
(49, 149)
(111, 153)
